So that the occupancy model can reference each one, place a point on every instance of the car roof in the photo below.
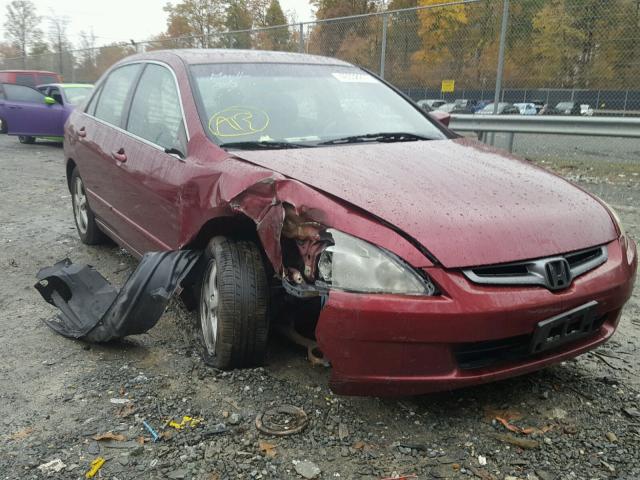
(29, 71)
(65, 85)
(196, 56)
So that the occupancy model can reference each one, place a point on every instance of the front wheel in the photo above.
(26, 139)
(234, 298)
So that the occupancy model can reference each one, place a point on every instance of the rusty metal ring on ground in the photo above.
(269, 421)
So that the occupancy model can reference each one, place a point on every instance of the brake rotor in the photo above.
(282, 420)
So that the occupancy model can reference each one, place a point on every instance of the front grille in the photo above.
(474, 355)
(554, 273)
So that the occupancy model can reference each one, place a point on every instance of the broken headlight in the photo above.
(358, 266)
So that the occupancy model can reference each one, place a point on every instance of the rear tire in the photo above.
(88, 230)
(234, 298)
(26, 139)
(3, 126)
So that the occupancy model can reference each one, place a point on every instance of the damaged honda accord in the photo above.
(328, 205)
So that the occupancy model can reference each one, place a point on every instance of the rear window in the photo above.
(113, 96)
(26, 79)
(21, 93)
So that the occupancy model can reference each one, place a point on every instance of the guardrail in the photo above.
(545, 125)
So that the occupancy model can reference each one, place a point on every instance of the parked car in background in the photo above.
(312, 186)
(504, 108)
(568, 108)
(30, 113)
(455, 108)
(526, 108)
(423, 105)
(586, 110)
(548, 110)
(467, 105)
(432, 103)
(30, 78)
(538, 104)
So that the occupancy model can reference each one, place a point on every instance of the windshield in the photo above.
(76, 95)
(564, 106)
(301, 104)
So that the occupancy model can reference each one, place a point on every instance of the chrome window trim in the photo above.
(144, 140)
(536, 270)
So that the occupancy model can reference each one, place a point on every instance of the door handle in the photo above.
(120, 155)
(82, 132)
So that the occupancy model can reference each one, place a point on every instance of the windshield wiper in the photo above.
(262, 145)
(377, 137)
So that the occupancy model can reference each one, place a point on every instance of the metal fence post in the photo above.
(626, 99)
(383, 48)
(301, 47)
(500, 72)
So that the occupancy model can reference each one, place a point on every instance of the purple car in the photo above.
(39, 112)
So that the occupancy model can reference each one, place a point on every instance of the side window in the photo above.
(20, 93)
(155, 113)
(2, 95)
(91, 107)
(114, 94)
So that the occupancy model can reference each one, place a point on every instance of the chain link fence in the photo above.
(586, 51)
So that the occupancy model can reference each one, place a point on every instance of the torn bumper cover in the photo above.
(92, 309)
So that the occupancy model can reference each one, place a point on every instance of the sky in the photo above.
(122, 20)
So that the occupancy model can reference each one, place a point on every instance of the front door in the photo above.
(151, 171)
(25, 112)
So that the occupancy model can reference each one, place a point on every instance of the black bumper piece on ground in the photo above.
(92, 309)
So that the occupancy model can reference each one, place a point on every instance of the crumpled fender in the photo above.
(262, 195)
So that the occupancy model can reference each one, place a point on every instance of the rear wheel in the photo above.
(3, 126)
(26, 139)
(85, 220)
(233, 313)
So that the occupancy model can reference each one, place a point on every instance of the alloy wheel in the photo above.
(209, 300)
(80, 206)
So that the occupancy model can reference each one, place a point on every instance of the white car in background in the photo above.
(526, 108)
(586, 109)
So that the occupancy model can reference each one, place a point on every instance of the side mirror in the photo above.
(49, 101)
(443, 117)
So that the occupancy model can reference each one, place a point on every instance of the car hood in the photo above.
(467, 203)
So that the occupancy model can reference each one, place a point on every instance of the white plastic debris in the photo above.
(119, 401)
(482, 460)
(54, 466)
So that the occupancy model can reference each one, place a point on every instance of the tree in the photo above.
(328, 38)
(21, 25)
(195, 22)
(238, 18)
(275, 38)
(556, 44)
(443, 51)
(58, 38)
(402, 40)
(87, 68)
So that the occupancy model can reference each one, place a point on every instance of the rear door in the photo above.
(26, 113)
(99, 130)
(152, 174)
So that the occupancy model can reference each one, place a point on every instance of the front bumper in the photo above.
(403, 345)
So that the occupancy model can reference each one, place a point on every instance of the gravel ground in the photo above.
(56, 394)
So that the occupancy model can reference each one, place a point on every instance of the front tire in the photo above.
(234, 299)
(26, 139)
(88, 230)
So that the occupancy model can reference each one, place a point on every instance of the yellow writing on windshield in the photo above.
(238, 121)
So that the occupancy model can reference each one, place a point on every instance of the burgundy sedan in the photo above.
(328, 203)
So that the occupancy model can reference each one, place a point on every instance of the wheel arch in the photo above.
(69, 170)
(235, 226)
